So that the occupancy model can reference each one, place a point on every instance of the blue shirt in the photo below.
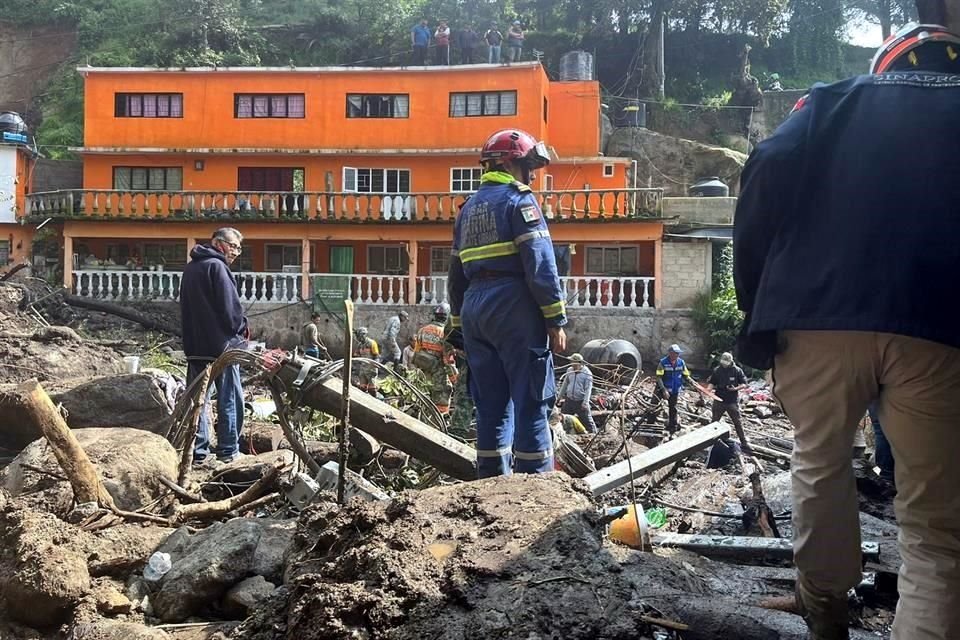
(421, 36)
(501, 229)
(672, 374)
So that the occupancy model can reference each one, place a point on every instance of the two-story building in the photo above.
(340, 178)
(17, 162)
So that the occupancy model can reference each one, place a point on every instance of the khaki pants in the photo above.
(825, 380)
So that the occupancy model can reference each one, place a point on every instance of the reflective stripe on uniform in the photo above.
(455, 322)
(537, 455)
(533, 235)
(495, 250)
(493, 453)
(553, 310)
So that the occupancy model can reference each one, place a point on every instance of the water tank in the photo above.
(711, 187)
(576, 65)
(613, 352)
(13, 128)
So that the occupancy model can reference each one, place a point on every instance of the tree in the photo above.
(886, 13)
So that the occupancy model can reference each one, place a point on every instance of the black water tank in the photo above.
(11, 122)
(611, 352)
(711, 187)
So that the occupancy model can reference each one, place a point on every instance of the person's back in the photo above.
(210, 309)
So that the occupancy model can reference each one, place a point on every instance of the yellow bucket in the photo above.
(625, 530)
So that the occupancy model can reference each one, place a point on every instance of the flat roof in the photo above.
(314, 70)
(276, 151)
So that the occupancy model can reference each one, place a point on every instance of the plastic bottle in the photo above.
(157, 567)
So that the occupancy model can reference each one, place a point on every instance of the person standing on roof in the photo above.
(515, 38)
(672, 372)
(389, 347)
(494, 40)
(213, 322)
(845, 251)
(429, 356)
(442, 39)
(365, 373)
(508, 307)
(420, 39)
(727, 381)
(575, 391)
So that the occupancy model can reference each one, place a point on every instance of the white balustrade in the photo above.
(268, 287)
(115, 284)
(379, 289)
(431, 289)
(602, 292)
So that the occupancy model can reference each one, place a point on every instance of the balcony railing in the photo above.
(331, 207)
(595, 292)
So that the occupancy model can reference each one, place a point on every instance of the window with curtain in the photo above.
(378, 105)
(275, 105)
(148, 105)
(491, 103)
(147, 178)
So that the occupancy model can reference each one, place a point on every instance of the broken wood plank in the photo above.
(388, 424)
(743, 547)
(618, 475)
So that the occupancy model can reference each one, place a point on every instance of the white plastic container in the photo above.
(132, 363)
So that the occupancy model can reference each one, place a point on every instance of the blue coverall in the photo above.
(504, 293)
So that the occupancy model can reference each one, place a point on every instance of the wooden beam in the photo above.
(743, 547)
(389, 425)
(618, 475)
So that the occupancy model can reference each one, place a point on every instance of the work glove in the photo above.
(454, 338)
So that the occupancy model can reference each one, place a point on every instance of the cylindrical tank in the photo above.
(711, 187)
(576, 65)
(613, 352)
(11, 122)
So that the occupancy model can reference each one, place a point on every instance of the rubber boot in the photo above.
(826, 616)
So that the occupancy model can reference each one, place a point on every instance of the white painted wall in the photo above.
(8, 177)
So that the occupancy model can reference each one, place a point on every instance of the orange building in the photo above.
(337, 177)
(17, 161)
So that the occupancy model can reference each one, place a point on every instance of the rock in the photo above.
(42, 578)
(260, 437)
(275, 539)
(683, 161)
(139, 401)
(215, 560)
(247, 595)
(762, 411)
(123, 549)
(129, 461)
(137, 589)
(112, 630)
(111, 602)
(606, 130)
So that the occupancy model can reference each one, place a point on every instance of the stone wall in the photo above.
(651, 330)
(713, 211)
(687, 272)
(29, 56)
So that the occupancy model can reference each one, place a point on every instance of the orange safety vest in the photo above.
(430, 338)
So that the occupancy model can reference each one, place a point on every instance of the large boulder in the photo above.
(141, 401)
(130, 461)
(675, 163)
(207, 564)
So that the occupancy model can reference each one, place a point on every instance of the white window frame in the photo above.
(609, 170)
(350, 182)
(481, 99)
(404, 268)
(266, 252)
(618, 247)
(448, 249)
(474, 171)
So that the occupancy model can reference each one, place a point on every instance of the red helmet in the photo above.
(901, 51)
(516, 146)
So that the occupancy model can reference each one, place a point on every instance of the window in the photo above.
(4, 251)
(613, 261)
(465, 180)
(148, 105)
(496, 103)
(147, 178)
(608, 170)
(387, 259)
(378, 106)
(269, 105)
(279, 256)
(545, 109)
(376, 180)
(172, 253)
(440, 260)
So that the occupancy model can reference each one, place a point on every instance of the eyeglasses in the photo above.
(233, 245)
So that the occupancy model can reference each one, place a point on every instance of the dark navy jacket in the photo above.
(501, 229)
(849, 215)
(210, 308)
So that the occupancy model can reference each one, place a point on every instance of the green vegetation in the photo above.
(716, 314)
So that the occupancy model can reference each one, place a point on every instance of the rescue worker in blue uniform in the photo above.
(672, 372)
(508, 308)
(845, 263)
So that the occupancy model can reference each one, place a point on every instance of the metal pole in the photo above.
(345, 406)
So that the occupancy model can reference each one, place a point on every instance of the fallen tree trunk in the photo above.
(121, 312)
(9, 274)
(214, 510)
(31, 401)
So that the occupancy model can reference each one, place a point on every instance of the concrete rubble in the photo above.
(259, 549)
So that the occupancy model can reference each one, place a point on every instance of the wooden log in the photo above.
(388, 424)
(11, 272)
(121, 312)
(618, 475)
(220, 508)
(30, 400)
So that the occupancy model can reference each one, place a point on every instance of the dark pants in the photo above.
(577, 408)
(313, 352)
(229, 412)
(883, 454)
(419, 55)
(672, 425)
(466, 55)
(442, 54)
(732, 409)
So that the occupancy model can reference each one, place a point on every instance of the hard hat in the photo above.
(516, 22)
(576, 358)
(726, 359)
(774, 76)
(675, 348)
(441, 311)
(922, 47)
(517, 146)
(361, 332)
